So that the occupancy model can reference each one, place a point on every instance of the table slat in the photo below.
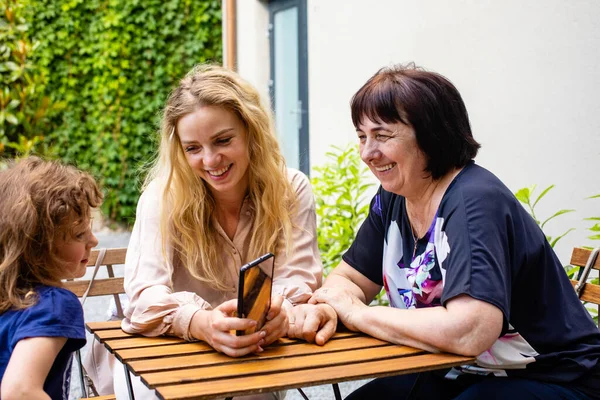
(137, 342)
(257, 367)
(164, 351)
(102, 325)
(108, 334)
(337, 335)
(109, 331)
(162, 364)
(318, 376)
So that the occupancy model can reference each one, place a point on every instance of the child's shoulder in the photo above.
(51, 300)
(57, 300)
(56, 313)
(55, 293)
(54, 306)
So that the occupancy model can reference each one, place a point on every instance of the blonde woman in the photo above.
(218, 196)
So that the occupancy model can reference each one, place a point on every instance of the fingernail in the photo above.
(270, 317)
(260, 349)
(263, 333)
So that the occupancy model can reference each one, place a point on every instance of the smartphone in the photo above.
(254, 291)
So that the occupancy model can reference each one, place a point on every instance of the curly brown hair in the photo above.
(39, 200)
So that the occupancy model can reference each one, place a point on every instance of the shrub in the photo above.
(340, 186)
(525, 196)
(25, 108)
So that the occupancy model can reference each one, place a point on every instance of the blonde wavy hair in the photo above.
(187, 204)
(39, 201)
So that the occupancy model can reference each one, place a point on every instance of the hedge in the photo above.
(111, 65)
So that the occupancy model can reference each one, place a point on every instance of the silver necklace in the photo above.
(412, 230)
(415, 240)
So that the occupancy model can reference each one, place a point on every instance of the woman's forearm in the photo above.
(400, 327)
(467, 326)
(335, 280)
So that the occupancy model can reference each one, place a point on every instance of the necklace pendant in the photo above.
(415, 247)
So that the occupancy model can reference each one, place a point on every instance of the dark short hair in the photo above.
(429, 103)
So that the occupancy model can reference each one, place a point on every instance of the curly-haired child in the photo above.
(45, 237)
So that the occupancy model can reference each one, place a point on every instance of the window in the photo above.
(289, 79)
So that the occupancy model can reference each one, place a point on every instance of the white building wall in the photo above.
(528, 72)
(253, 63)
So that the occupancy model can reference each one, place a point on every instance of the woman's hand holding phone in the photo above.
(215, 327)
(260, 321)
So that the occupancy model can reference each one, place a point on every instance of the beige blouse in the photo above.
(163, 297)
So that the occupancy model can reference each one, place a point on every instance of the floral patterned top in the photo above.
(482, 243)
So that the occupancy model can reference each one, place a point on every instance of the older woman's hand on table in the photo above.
(315, 323)
(346, 305)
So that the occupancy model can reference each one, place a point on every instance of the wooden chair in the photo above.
(102, 287)
(588, 260)
(111, 286)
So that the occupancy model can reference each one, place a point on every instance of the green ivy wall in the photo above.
(111, 64)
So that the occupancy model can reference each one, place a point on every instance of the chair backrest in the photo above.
(106, 286)
(580, 258)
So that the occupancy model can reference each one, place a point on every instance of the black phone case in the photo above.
(254, 293)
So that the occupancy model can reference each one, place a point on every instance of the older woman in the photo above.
(465, 268)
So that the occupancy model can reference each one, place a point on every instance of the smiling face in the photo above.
(393, 155)
(74, 251)
(214, 141)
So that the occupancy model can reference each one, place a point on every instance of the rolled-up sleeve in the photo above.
(300, 273)
(154, 308)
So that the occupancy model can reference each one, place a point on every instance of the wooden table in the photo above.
(177, 369)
